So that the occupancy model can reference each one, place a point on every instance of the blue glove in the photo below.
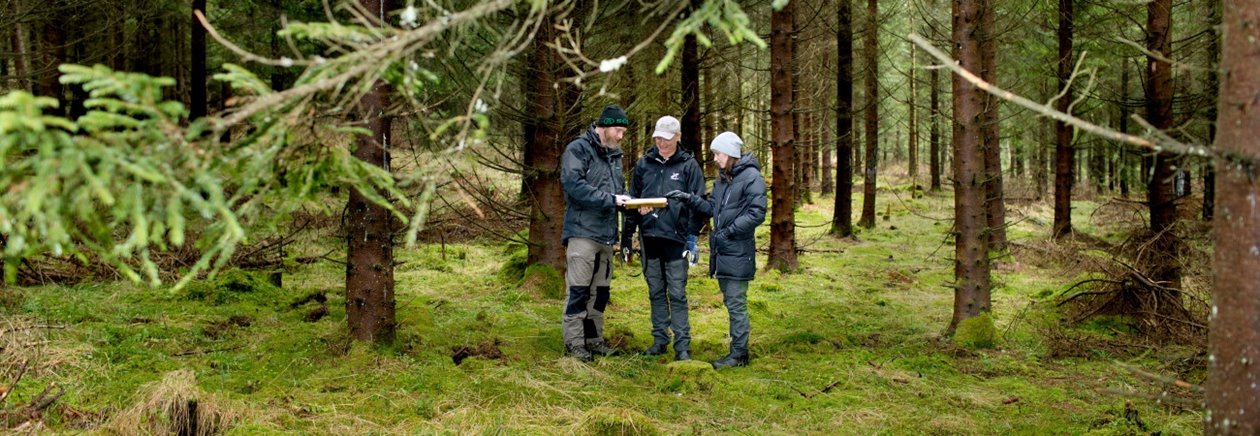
(692, 253)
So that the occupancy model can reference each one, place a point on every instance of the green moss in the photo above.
(544, 281)
(513, 269)
(234, 286)
(976, 332)
(608, 421)
(689, 377)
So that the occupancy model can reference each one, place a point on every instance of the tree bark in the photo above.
(197, 86)
(842, 218)
(783, 213)
(20, 41)
(370, 247)
(1160, 193)
(934, 134)
(691, 98)
(826, 177)
(1213, 82)
(1233, 395)
(543, 148)
(971, 248)
(52, 52)
(1064, 153)
(912, 145)
(871, 53)
(995, 198)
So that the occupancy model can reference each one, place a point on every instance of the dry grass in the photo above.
(175, 405)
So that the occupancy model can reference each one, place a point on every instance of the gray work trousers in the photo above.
(667, 292)
(735, 296)
(589, 270)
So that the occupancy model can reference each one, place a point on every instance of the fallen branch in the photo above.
(21, 372)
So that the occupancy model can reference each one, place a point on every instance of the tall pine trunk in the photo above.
(1064, 153)
(971, 245)
(370, 255)
(842, 217)
(1232, 397)
(783, 213)
(871, 53)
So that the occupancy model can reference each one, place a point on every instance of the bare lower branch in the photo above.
(1157, 144)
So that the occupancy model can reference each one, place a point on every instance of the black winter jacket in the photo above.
(590, 174)
(653, 177)
(738, 206)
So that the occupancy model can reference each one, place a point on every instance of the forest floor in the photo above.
(851, 344)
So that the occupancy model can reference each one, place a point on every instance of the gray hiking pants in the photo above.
(667, 292)
(589, 270)
(735, 296)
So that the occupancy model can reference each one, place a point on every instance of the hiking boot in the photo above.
(655, 350)
(578, 352)
(682, 355)
(729, 361)
(602, 349)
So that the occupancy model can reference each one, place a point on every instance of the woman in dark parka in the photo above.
(737, 205)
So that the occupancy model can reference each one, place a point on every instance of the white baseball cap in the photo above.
(667, 127)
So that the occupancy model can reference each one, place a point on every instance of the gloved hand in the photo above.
(692, 253)
(684, 197)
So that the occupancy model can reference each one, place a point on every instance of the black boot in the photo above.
(682, 355)
(601, 348)
(656, 350)
(578, 352)
(730, 360)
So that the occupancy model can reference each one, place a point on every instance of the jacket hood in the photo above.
(744, 163)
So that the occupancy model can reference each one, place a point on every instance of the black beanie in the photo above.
(613, 116)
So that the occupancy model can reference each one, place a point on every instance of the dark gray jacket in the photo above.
(653, 177)
(590, 174)
(738, 206)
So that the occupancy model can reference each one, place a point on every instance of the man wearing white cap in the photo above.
(664, 234)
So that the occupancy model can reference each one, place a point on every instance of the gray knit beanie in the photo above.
(727, 143)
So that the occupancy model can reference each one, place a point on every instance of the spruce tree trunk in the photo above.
(783, 213)
(842, 217)
(52, 52)
(1233, 395)
(691, 99)
(871, 53)
(934, 134)
(826, 176)
(912, 145)
(20, 42)
(370, 247)
(971, 248)
(995, 197)
(543, 147)
(1064, 154)
(1160, 191)
(198, 107)
(1213, 82)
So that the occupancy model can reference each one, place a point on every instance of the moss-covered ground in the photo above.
(850, 344)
